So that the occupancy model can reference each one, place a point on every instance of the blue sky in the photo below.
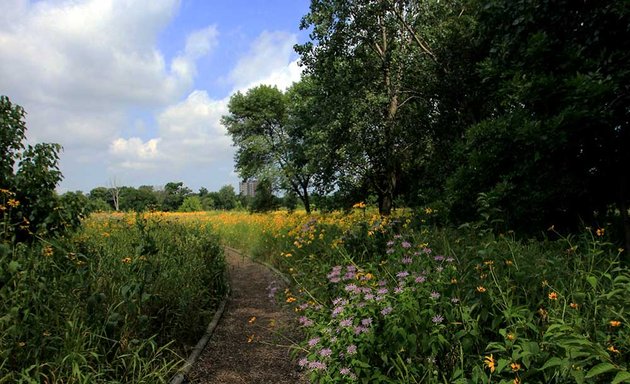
(134, 89)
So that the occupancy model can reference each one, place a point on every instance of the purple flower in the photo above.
(402, 274)
(305, 321)
(379, 298)
(337, 311)
(346, 322)
(435, 295)
(398, 290)
(454, 300)
(367, 321)
(351, 268)
(351, 288)
(352, 349)
(406, 260)
(359, 329)
(437, 319)
(386, 311)
(312, 342)
(389, 251)
(303, 361)
(390, 243)
(398, 236)
(317, 365)
(335, 279)
(406, 244)
(426, 250)
(382, 283)
(325, 352)
(344, 371)
(439, 269)
(348, 276)
(438, 258)
(450, 259)
(382, 291)
(368, 296)
(420, 279)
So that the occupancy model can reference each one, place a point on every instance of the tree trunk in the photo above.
(306, 200)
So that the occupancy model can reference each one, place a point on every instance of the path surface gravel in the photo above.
(252, 341)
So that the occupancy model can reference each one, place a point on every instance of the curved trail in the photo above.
(252, 340)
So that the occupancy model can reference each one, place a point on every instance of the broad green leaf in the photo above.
(599, 369)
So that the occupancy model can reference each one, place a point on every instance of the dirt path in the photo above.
(251, 342)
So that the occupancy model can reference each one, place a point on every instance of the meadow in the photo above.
(400, 300)
(379, 299)
(121, 300)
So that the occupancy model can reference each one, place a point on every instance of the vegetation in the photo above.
(113, 299)
(399, 300)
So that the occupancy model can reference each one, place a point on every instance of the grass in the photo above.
(121, 300)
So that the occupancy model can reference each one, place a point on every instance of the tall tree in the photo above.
(271, 143)
(366, 57)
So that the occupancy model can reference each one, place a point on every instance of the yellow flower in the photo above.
(614, 323)
(510, 336)
(428, 210)
(509, 262)
(13, 203)
(291, 299)
(47, 251)
(250, 338)
(252, 320)
(359, 205)
(453, 281)
(600, 232)
(481, 289)
(516, 381)
(515, 367)
(489, 362)
(126, 260)
(574, 305)
(613, 349)
(553, 296)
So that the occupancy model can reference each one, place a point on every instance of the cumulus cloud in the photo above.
(191, 139)
(267, 62)
(85, 69)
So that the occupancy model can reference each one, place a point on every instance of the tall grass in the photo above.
(121, 301)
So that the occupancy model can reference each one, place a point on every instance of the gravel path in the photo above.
(252, 341)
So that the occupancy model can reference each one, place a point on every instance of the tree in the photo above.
(173, 196)
(137, 200)
(29, 175)
(271, 144)
(225, 198)
(552, 148)
(264, 200)
(366, 62)
(191, 204)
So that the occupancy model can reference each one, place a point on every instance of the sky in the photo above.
(134, 89)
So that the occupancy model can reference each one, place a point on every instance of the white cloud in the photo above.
(269, 61)
(190, 137)
(84, 70)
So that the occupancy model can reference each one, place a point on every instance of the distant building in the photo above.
(248, 188)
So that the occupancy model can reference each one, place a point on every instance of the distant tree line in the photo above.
(174, 197)
(517, 111)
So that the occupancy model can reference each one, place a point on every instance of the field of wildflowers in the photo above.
(380, 300)
(119, 301)
(400, 301)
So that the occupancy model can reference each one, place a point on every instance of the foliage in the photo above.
(264, 200)
(270, 139)
(115, 303)
(398, 300)
(28, 177)
(191, 204)
(551, 151)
